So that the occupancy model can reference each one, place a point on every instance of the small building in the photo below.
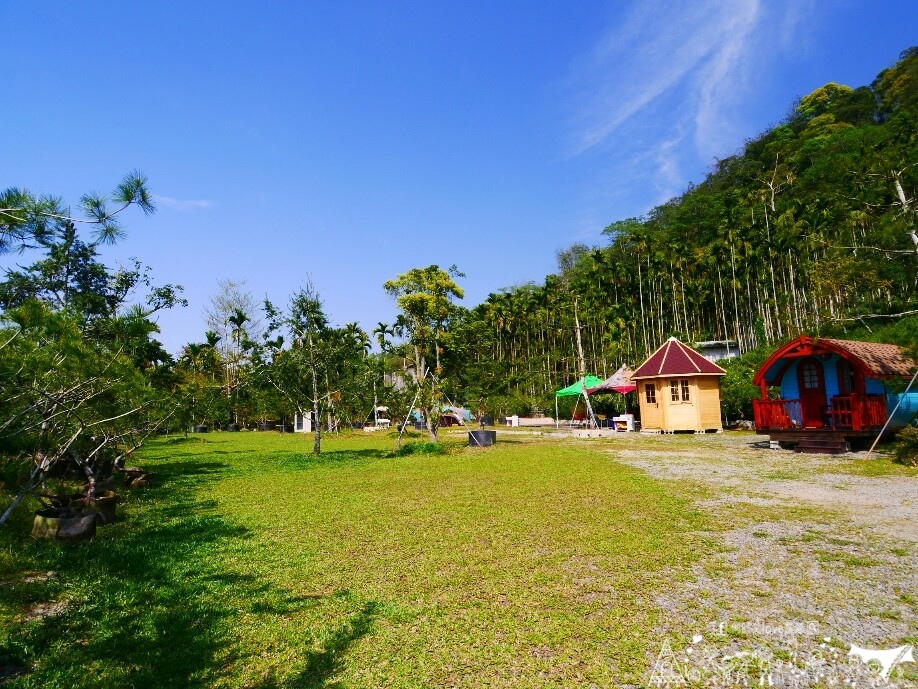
(679, 390)
(718, 350)
(302, 422)
(826, 394)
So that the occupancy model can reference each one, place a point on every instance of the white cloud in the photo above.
(665, 89)
(669, 177)
(679, 62)
(721, 80)
(656, 49)
(181, 204)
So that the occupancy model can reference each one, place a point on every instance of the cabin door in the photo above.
(812, 392)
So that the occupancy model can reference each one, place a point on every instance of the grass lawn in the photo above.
(252, 563)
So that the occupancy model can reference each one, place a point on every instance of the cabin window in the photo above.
(846, 378)
(650, 393)
(679, 390)
(810, 376)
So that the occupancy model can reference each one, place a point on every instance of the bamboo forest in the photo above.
(810, 228)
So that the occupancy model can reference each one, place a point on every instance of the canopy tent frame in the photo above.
(578, 388)
(619, 382)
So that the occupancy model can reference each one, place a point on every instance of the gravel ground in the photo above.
(810, 561)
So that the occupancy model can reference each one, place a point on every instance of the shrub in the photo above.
(420, 447)
(14, 471)
(907, 446)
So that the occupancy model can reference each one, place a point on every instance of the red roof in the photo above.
(882, 359)
(873, 359)
(676, 359)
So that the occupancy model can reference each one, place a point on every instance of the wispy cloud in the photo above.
(669, 178)
(665, 86)
(659, 48)
(722, 79)
(182, 204)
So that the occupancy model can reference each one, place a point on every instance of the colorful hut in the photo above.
(679, 390)
(832, 393)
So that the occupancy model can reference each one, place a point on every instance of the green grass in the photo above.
(252, 563)
(877, 465)
(782, 475)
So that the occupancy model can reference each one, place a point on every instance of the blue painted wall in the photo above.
(790, 387)
(907, 411)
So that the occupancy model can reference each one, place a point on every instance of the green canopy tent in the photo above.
(575, 389)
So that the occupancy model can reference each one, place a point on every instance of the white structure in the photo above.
(378, 419)
(302, 422)
(718, 350)
(625, 422)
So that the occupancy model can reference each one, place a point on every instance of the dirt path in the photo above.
(740, 472)
(812, 558)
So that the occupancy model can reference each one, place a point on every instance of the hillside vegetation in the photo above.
(808, 229)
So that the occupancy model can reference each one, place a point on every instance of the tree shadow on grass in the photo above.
(184, 469)
(322, 665)
(137, 612)
(153, 601)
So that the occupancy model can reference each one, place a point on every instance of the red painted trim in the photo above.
(805, 346)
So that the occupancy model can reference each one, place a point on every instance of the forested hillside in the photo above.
(808, 229)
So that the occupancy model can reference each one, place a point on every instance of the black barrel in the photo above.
(482, 438)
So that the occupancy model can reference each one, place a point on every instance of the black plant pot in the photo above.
(267, 426)
(482, 438)
(103, 505)
(65, 527)
(233, 427)
(200, 429)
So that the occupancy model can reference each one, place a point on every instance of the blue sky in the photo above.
(349, 142)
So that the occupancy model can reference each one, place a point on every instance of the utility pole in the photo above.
(586, 397)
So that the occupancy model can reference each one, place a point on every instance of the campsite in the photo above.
(460, 345)
(538, 561)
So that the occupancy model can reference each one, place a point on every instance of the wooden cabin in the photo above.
(679, 390)
(825, 394)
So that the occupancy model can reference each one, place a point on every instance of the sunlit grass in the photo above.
(252, 563)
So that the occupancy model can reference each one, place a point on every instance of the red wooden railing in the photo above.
(876, 412)
(846, 412)
(857, 412)
(777, 413)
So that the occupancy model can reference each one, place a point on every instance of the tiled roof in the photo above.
(882, 359)
(676, 359)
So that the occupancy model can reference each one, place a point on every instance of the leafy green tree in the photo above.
(68, 399)
(425, 296)
(299, 372)
(235, 317)
(28, 221)
(82, 381)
